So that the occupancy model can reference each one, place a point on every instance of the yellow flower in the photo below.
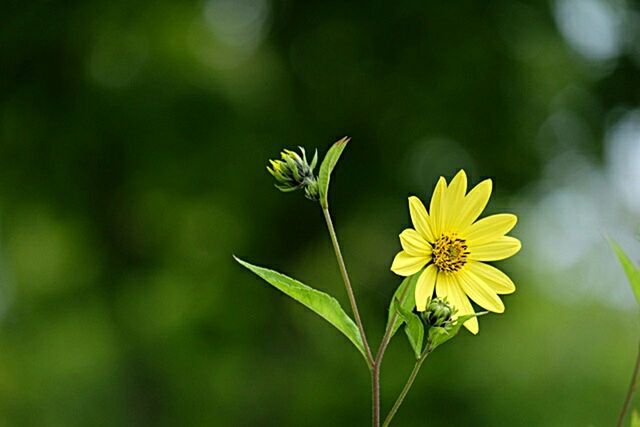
(454, 247)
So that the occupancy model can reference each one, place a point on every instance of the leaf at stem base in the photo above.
(413, 328)
(319, 302)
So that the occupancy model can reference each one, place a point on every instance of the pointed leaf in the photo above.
(405, 294)
(414, 328)
(632, 272)
(326, 168)
(439, 336)
(319, 302)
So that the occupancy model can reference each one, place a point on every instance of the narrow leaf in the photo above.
(633, 273)
(439, 336)
(322, 304)
(326, 168)
(405, 294)
(414, 327)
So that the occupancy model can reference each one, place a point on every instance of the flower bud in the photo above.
(438, 313)
(293, 172)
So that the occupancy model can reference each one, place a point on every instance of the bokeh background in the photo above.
(133, 143)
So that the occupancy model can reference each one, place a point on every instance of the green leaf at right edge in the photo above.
(633, 273)
(414, 327)
(635, 419)
(406, 295)
(329, 162)
(439, 336)
(319, 302)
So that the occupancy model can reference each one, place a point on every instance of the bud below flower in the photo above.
(293, 172)
(439, 313)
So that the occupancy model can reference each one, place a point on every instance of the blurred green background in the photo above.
(133, 143)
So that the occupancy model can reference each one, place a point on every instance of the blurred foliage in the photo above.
(133, 143)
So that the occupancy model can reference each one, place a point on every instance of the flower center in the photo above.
(450, 253)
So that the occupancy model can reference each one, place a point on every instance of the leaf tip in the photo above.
(344, 140)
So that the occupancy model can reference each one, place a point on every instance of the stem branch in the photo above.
(407, 387)
(630, 392)
(389, 332)
(375, 373)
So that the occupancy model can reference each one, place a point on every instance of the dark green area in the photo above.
(134, 138)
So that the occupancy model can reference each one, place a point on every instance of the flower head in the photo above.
(449, 248)
(293, 172)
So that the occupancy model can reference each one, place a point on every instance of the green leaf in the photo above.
(326, 168)
(635, 419)
(319, 302)
(405, 294)
(633, 273)
(414, 327)
(439, 336)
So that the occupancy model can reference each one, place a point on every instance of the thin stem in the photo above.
(375, 381)
(375, 373)
(389, 332)
(347, 285)
(630, 392)
(407, 387)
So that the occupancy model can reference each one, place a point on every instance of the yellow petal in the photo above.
(420, 218)
(406, 265)
(489, 228)
(494, 278)
(442, 285)
(479, 291)
(455, 200)
(498, 249)
(447, 286)
(437, 207)
(474, 204)
(414, 244)
(424, 287)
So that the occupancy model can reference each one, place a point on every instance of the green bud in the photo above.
(439, 313)
(293, 172)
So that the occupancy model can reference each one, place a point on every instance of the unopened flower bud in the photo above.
(293, 172)
(439, 313)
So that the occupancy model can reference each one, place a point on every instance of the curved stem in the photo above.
(347, 285)
(388, 334)
(630, 391)
(407, 387)
(375, 373)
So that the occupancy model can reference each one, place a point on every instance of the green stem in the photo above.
(630, 391)
(407, 387)
(375, 387)
(375, 373)
(388, 334)
(347, 285)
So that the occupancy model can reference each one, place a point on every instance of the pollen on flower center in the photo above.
(450, 253)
